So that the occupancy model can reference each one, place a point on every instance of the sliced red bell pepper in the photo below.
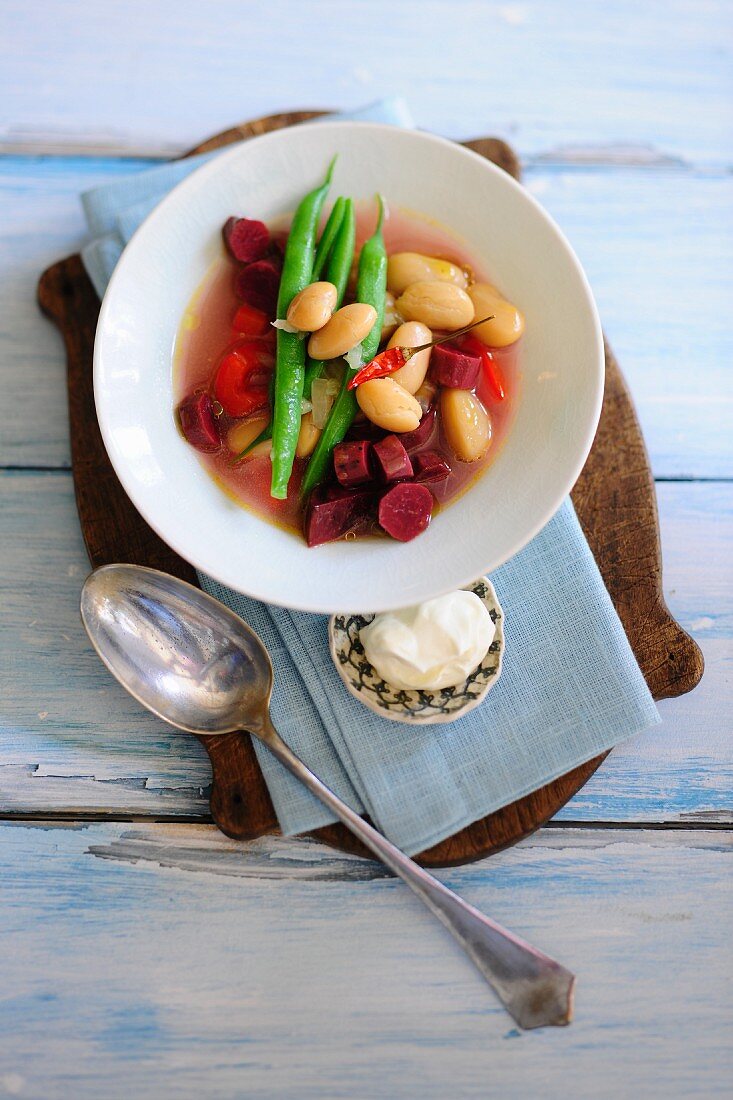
(387, 362)
(491, 369)
(242, 380)
(249, 321)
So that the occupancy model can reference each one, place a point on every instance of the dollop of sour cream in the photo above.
(434, 645)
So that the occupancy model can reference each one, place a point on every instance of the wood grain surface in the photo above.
(155, 961)
(614, 496)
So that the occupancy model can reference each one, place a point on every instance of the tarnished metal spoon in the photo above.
(196, 664)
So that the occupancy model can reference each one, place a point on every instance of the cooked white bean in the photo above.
(437, 305)
(311, 309)
(308, 437)
(411, 335)
(347, 328)
(241, 435)
(405, 268)
(507, 324)
(388, 405)
(466, 424)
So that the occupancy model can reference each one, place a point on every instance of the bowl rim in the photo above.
(210, 168)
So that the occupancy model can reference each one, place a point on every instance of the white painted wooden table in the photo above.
(141, 953)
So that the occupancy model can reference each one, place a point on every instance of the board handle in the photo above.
(240, 802)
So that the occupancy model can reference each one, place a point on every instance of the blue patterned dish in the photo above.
(423, 707)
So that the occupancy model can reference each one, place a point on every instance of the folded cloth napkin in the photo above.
(570, 688)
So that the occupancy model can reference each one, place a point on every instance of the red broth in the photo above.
(205, 333)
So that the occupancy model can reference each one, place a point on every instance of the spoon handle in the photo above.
(535, 990)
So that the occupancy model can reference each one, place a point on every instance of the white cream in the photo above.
(434, 645)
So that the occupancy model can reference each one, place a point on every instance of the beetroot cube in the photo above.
(326, 520)
(452, 367)
(246, 240)
(352, 463)
(198, 423)
(391, 459)
(405, 510)
(258, 285)
(430, 466)
(365, 429)
(411, 441)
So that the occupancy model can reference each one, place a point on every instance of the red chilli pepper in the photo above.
(386, 363)
(491, 370)
(249, 321)
(241, 384)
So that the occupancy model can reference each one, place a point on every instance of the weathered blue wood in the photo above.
(40, 222)
(657, 247)
(73, 740)
(551, 76)
(167, 961)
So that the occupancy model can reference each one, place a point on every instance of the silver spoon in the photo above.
(196, 664)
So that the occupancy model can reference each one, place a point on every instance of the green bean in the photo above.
(290, 358)
(371, 287)
(328, 236)
(337, 272)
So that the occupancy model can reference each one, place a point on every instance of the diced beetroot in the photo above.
(326, 520)
(430, 466)
(258, 284)
(364, 429)
(391, 459)
(352, 463)
(452, 367)
(411, 441)
(246, 239)
(405, 510)
(198, 423)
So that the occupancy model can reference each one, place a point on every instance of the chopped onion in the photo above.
(323, 395)
(286, 327)
(305, 407)
(354, 357)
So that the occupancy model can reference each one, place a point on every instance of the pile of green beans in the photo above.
(297, 273)
(337, 272)
(338, 256)
(371, 287)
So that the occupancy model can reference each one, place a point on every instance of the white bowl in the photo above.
(522, 249)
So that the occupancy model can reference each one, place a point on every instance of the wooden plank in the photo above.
(657, 247)
(40, 220)
(658, 251)
(74, 741)
(643, 81)
(192, 966)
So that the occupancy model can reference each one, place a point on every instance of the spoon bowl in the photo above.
(179, 652)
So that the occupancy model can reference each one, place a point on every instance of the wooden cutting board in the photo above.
(614, 498)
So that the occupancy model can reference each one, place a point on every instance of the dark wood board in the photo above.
(614, 498)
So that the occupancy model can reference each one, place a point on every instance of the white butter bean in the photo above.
(411, 335)
(388, 405)
(311, 309)
(347, 328)
(405, 268)
(437, 305)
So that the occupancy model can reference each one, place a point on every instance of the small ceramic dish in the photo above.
(420, 707)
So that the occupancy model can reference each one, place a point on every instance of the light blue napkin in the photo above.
(570, 688)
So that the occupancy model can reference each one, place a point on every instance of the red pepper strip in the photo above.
(386, 363)
(249, 321)
(493, 374)
(241, 383)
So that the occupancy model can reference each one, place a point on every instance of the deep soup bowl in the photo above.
(558, 399)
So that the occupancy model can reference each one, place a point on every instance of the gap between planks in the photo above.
(695, 822)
